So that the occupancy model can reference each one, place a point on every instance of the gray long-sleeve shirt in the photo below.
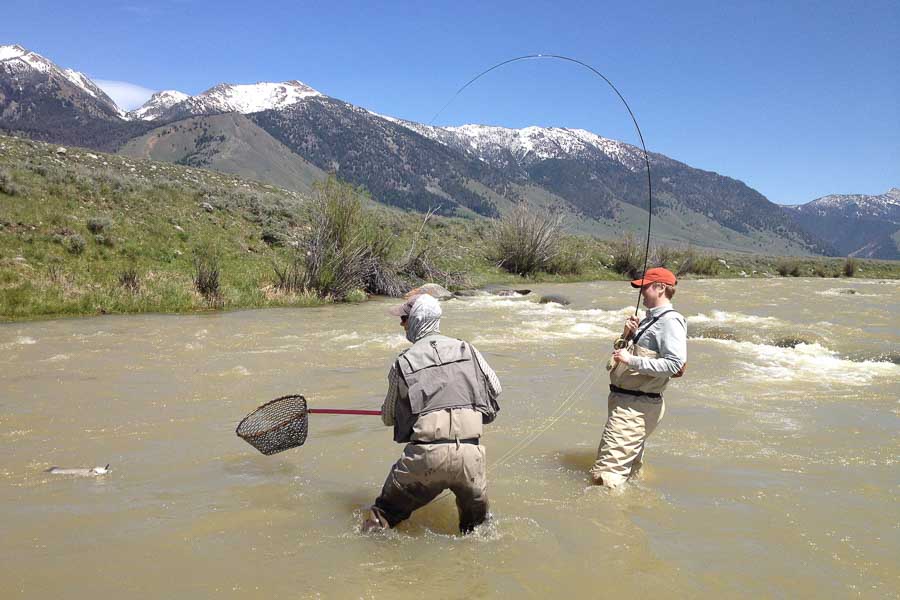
(397, 387)
(667, 337)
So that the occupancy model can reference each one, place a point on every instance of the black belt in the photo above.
(618, 390)
(473, 441)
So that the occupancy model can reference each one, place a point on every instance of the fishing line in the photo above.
(627, 107)
(549, 422)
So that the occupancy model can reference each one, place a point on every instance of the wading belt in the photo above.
(618, 390)
(473, 441)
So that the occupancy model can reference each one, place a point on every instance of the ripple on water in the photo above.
(238, 370)
(56, 358)
(545, 322)
(498, 528)
(734, 318)
(808, 363)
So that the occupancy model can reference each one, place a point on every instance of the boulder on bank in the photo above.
(555, 299)
(432, 289)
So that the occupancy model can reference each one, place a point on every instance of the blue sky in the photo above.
(797, 99)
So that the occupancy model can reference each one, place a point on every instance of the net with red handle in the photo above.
(283, 423)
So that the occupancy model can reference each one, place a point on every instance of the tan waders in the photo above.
(631, 421)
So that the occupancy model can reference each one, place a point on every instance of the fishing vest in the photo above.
(623, 376)
(441, 373)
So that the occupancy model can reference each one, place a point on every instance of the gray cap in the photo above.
(402, 310)
(425, 306)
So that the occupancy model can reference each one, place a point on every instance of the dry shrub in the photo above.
(698, 263)
(206, 275)
(850, 267)
(289, 277)
(421, 268)
(628, 258)
(99, 224)
(527, 241)
(345, 250)
(130, 279)
(665, 256)
(788, 268)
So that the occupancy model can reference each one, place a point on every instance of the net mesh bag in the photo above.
(276, 426)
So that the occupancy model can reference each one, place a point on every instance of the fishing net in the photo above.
(276, 426)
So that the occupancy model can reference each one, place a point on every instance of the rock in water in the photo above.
(556, 299)
(79, 471)
(432, 289)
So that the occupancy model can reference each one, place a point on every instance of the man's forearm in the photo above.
(657, 367)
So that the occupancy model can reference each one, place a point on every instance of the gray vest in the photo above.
(441, 372)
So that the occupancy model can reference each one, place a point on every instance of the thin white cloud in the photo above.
(127, 95)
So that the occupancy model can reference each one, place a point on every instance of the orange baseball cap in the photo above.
(656, 275)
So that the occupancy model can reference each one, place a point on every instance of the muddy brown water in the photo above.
(774, 473)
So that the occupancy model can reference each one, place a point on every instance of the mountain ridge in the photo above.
(468, 170)
(866, 226)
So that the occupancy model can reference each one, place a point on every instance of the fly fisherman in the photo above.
(440, 391)
(649, 352)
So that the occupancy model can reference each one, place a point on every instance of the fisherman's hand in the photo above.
(622, 356)
(631, 325)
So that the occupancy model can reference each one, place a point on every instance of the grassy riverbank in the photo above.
(88, 233)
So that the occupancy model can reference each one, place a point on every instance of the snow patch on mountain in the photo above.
(885, 205)
(14, 51)
(245, 99)
(158, 103)
(81, 81)
(20, 60)
(256, 97)
(528, 145)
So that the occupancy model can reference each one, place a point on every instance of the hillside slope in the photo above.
(229, 143)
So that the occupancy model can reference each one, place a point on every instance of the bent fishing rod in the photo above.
(621, 97)
(283, 422)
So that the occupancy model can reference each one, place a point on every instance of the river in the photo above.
(773, 474)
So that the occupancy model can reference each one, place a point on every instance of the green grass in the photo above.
(149, 218)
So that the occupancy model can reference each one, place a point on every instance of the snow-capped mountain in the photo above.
(158, 104)
(245, 99)
(856, 224)
(885, 205)
(21, 66)
(501, 145)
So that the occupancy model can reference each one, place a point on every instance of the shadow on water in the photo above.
(350, 500)
(577, 460)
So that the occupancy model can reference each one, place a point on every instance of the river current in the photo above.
(773, 474)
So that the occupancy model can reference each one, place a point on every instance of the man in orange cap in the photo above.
(649, 353)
